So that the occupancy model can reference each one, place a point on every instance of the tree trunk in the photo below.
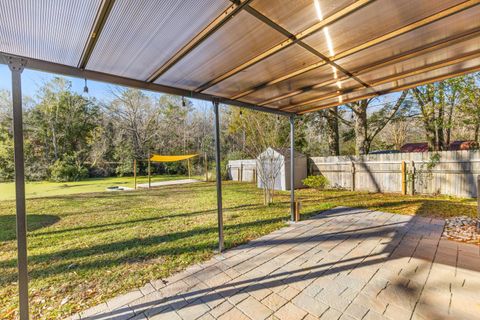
(361, 143)
(333, 136)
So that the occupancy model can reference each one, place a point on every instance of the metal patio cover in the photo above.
(284, 56)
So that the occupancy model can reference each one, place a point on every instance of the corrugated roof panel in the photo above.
(140, 36)
(310, 78)
(318, 93)
(55, 31)
(408, 82)
(460, 52)
(239, 40)
(298, 15)
(461, 23)
(372, 21)
(275, 66)
(440, 72)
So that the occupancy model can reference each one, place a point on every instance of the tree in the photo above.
(332, 132)
(263, 133)
(470, 104)
(62, 122)
(437, 103)
(366, 126)
(6, 139)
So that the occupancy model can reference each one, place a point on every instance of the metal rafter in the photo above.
(398, 76)
(443, 43)
(291, 39)
(410, 27)
(310, 49)
(100, 20)
(404, 87)
(56, 68)
(228, 13)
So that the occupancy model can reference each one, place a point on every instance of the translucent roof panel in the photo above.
(458, 24)
(298, 15)
(322, 92)
(337, 100)
(275, 66)
(462, 51)
(372, 21)
(238, 52)
(401, 84)
(310, 78)
(441, 72)
(238, 41)
(140, 36)
(55, 31)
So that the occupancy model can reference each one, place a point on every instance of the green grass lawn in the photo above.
(46, 188)
(86, 248)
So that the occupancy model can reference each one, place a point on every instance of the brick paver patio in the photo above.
(342, 264)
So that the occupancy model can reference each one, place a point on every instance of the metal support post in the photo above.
(292, 168)
(218, 177)
(16, 66)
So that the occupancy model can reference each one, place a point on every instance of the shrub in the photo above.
(67, 170)
(316, 182)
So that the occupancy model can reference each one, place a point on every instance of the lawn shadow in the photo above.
(34, 222)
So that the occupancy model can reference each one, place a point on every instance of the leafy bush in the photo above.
(67, 170)
(316, 182)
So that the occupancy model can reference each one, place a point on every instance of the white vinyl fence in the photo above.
(242, 170)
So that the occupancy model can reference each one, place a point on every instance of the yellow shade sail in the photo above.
(160, 158)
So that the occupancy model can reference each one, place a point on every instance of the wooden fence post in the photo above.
(206, 167)
(478, 203)
(149, 173)
(135, 173)
(412, 177)
(241, 172)
(404, 177)
(189, 171)
(297, 211)
(353, 176)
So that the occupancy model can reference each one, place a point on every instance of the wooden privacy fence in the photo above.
(446, 172)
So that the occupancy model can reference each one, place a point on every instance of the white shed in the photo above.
(275, 164)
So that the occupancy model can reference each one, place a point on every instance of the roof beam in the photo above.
(100, 20)
(288, 42)
(398, 76)
(404, 87)
(56, 68)
(228, 13)
(383, 63)
(420, 23)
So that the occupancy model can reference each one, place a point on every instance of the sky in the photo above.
(32, 80)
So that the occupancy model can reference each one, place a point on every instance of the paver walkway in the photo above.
(342, 264)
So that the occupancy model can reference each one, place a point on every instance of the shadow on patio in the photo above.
(361, 263)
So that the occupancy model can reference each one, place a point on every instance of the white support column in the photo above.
(218, 177)
(16, 67)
